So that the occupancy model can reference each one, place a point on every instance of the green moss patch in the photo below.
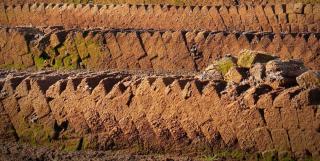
(223, 65)
(248, 57)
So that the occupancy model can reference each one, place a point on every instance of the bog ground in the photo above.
(159, 80)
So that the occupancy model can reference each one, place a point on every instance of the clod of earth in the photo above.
(248, 58)
(309, 79)
(235, 74)
(223, 65)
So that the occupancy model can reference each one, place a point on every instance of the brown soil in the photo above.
(267, 18)
(173, 51)
(122, 81)
(11, 151)
(156, 113)
(172, 2)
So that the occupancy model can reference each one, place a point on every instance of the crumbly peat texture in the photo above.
(159, 80)
(58, 48)
(157, 113)
(267, 18)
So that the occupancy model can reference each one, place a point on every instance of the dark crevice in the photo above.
(79, 147)
(289, 140)
(14, 82)
(314, 96)
(167, 81)
(108, 83)
(59, 128)
(294, 93)
(49, 99)
(63, 86)
(261, 112)
(93, 82)
(306, 37)
(318, 129)
(130, 100)
(200, 85)
(44, 56)
(220, 86)
(263, 89)
(242, 88)
(122, 87)
(142, 46)
(182, 83)
(75, 82)
(284, 7)
(151, 80)
(250, 37)
(236, 2)
(45, 84)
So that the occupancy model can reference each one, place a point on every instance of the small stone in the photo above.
(309, 79)
(258, 72)
(298, 8)
(223, 65)
(248, 58)
(288, 68)
(283, 73)
(212, 74)
(235, 74)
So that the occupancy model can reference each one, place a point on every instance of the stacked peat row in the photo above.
(268, 18)
(164, 113)
(57, 48)
(171, 2)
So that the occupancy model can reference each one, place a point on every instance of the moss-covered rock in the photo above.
(248, 57)
(223, 65)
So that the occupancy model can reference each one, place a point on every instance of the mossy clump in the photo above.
(68, 57)
(40, 62)
(223, 65)
(71, 62)
(228, 154)
(248, 57)
(37, 134)
(80, 42)
(94, 54)
(71, 145)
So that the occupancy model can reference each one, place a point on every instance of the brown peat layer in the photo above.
(169, 2)
(270, 109)
(160, 80)
(153, 50)
(289, 18)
